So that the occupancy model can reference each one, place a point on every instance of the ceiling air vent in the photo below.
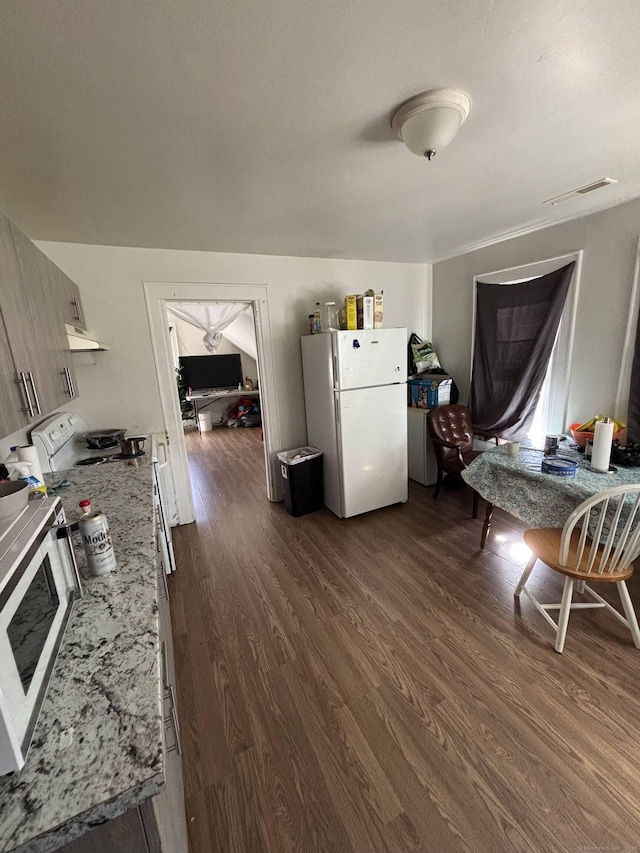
(596, 185)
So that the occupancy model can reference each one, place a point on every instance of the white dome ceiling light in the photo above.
(428, 122)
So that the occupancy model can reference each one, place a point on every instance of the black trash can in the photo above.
(302, 484)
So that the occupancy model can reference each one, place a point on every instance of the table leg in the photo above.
(486, 527)
(195, 414)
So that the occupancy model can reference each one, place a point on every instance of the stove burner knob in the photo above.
(54, 435)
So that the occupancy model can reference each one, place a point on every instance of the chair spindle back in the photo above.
(609, 525)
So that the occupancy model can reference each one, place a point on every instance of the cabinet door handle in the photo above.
(67, 379)
(70, 385)
(164, 454)
(165, 666)
(163, 573)
(175, 724)
(35, 392)
(23, 381)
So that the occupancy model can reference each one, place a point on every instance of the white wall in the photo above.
(122, 385)
(609, 240)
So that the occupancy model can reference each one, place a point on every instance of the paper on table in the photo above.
(602, 438)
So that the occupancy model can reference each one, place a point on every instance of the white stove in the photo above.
(61, 444)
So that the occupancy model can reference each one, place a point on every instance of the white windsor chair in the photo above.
(598, 543)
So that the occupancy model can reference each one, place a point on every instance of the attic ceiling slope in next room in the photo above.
(265, 127)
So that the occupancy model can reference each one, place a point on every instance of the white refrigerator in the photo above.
(356, 405)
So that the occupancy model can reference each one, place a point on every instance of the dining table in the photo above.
(517, 485)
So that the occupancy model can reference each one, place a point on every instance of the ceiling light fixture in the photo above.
(428, 122)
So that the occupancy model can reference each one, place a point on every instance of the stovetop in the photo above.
(61, 445)
(101, 459)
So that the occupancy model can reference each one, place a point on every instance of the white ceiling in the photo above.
(253, 126)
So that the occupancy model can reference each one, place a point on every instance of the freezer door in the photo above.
(369, 357)
(372, 429)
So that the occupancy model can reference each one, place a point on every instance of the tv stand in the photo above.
(202, 399)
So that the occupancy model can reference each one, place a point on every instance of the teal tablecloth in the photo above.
(519, 487)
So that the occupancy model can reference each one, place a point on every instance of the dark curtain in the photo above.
(516, 327)
(633, 425)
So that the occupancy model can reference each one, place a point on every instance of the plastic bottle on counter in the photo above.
(23, 471)
(12, 457)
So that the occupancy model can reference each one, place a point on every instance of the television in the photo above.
(206, 372)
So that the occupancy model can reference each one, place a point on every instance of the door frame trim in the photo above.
(157, 294)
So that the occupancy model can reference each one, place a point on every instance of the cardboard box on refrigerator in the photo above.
(365, 310)
(351, 311)
(377, 310)
(429, 391)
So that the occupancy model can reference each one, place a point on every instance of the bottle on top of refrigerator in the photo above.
(317, 322)
(312, 324)
(329, 317)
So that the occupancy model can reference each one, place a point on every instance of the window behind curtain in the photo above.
(516, 327)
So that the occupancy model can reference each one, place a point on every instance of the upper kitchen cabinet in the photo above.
(12, 404)
(31, 305)
(70, 300)
(15, 407)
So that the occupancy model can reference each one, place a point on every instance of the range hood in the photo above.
(79, 340)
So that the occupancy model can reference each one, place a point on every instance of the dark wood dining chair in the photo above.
(598, 543)
(451, 433)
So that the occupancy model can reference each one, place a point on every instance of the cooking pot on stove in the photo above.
(103, 439)
(132, 445)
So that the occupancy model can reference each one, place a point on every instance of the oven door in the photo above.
(35, 605)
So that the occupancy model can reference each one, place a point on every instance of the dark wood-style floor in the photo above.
(367, 684)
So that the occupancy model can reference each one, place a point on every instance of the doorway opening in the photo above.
(215, 359)
(253, 305)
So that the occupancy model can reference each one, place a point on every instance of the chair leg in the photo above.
(525, 575)
(629, 612)
(476, 499)
(438, 483)
(565, 610)
(486, 527)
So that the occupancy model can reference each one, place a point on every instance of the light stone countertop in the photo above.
(106, 684)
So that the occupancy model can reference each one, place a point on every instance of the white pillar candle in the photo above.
(602, 439)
